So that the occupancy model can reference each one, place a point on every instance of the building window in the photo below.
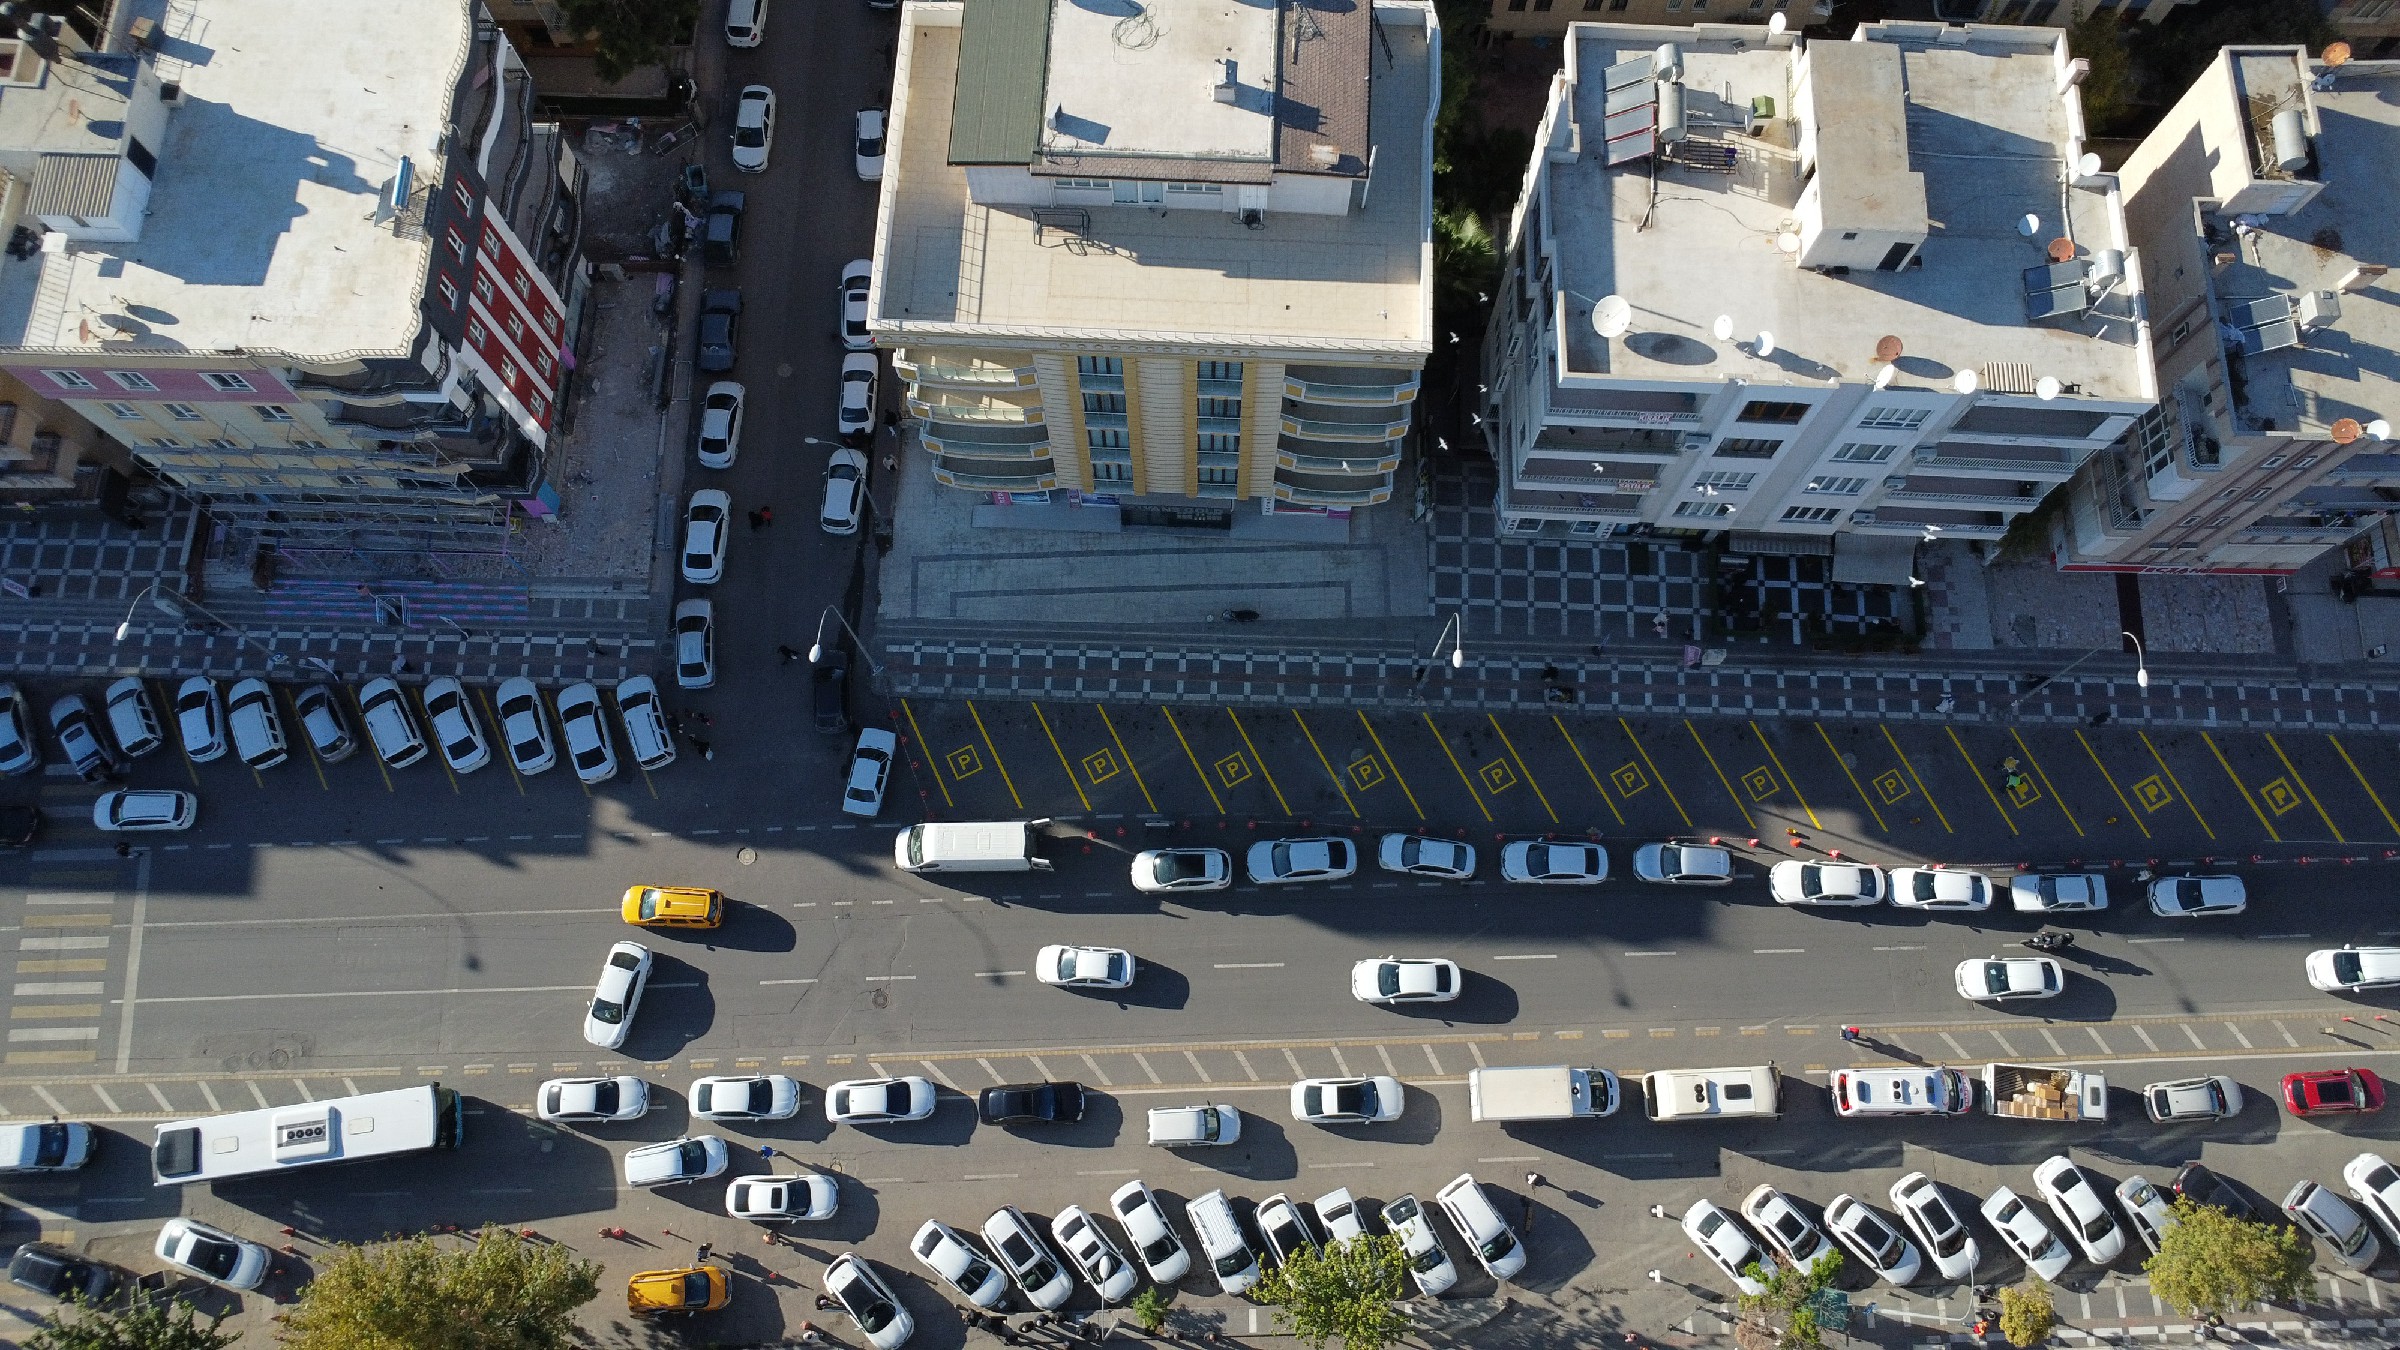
(220, 443)
(1103, 402)
(1895, 417)
(484, 290)
(1863, 452)
(182, 412)
(1726, 480)
(1813, 515)
(1087, 184)
(2215, 521)
(1212, 406)
(1105, 438)
(1112, 471)
(1219, 474)
(1541, 4)
(1703, 508)
(2304, 461)
(1099, 365)
(1747, 447)
(1219, 443)
(2270, 461)
(1836, 487)
(1768, 410)
(225, 382)
(1201, 189)
(457, 243)
(1588, 6)
(268, 412)
(1221, 370)
(1617, 6)
(2150, 440)
(68, 379)
(463, 195)
(134, 380)
(125, 411)
(166, 443)
(476, 332)
(2258, 494)
(449, 290)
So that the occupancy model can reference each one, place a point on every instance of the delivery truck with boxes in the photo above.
(2029, 1093)
(1546, 1092)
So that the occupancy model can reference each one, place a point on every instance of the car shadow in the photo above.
(748, 927)
(1103, 1120)
(1482, 1001)
(1263, 1153)
(1155, 985)
(677, 1009)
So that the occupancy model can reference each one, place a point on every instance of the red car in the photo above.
(2329, 1092)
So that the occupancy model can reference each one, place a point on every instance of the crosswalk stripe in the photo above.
(60, 944)
(31, 1010)
(21, 1035)
(71, 898)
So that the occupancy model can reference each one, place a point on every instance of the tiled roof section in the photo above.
(1324, 54)
(1003, 59)
(73, 185)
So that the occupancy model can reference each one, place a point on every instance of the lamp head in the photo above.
(816, 650)
(123, 629)
(2141, 677)
(1458, 657)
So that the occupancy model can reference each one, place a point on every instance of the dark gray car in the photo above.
(720, 327)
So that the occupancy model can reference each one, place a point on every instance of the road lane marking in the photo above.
(1127, 756)
(1748, 821)
(877, 979)
(1392, 764)
(1189, 1058)
(506, 756)
(1605, 799)
(996, 974)
(1913, 777)
(22, 1035)
(392, 993)
(1211, 788)
(1144, 1061)
(1522, 771)
(1338, 785)
(1851, 774)
(787, 981)
(2305, 790)
(1801, 797)
(2364, 786)
(1456, 767)
(1064, 767)
(2237, 1035)
(1260, 760)
(1541, 956)
(997, 762)
(61, 944)
(2241, 787)
(1778, 951)
(1899, 949)
(58, 987)
(1097, 1072)
(2142, 942)
(2127, 806)
(1250, 965)
(2044, 774)
(1647, 953)
(922, 753)
(1975, 772)
(990, 1176)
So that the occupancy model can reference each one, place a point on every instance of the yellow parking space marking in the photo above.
(1760, 783)
(1660, 778)
(1338, 785)
(1205, 785)
(1986, 783)
(2302, 782)
(1556, 721)
(1130, 766)
(358, 712)
(1730, 794)
(1454, 764)
(1835, 751)
(1530, 781)
(1397, 776)
(2044, 774)
(504, 756)
(307, 742)
(1052, 737)
(964, 762)
(919, 732)
(2364, 786)
(2169, 775)
(2130, 813)
(1260, 760)
(997, 762)
(1801, 797)
(1233, 770)
(1913, 777)
(2241, 787)
(1497, 777)
(1101, 765)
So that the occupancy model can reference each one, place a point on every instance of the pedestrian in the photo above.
(787, 652)
(592, 645)
(2017, 782)
(766, 515)
(825, 1303)
(766, 1150)
(757, 521)
(1947, 706)
(1851, 1035)
(399, 665)
(1658, 1211)
(706, 750)
(2100, 718)
(674, 724)
(705, 719)
(1533, 1181)
(1658, 1277)
(1980, 1326)
(700, 1257)
(891, 420)
(1658, 623)
(2010, 764)
(1691, 655)
(124, 850)
(1550, 671)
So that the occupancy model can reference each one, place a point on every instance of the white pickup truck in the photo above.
(1548, 1092)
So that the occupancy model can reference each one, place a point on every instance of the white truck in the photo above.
(1548, 1092)
(2029, 1093)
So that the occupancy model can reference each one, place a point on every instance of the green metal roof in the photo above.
(1003, 56)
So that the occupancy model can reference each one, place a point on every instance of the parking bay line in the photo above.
(1250, 965)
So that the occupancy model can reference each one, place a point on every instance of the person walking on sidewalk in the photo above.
(1852, 1035)
(757, 521)
(788, 652)
(706, 750)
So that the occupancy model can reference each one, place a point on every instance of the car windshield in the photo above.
(604, 1098)
(50, 1146)
(1355, 1099)
(1995, 976)
(1169, 868)
(2097, 1227)
(214, 1258)
(695, 1288)
(1159, 1250)
(1709, 1224)
(606, 1011)
(1233, 1262)
(1387, 979)
(2347, 967)
(1428, 1261)
(2333, 1091)
(1500, 1244)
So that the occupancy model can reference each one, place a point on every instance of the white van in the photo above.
(1221, 1242)
(1712, 1094)
(132, 720)
(1193, 1126)
(971, 846)
(1928, 1091)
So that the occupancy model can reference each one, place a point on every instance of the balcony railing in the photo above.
(1285, 492)
(1360, 388)
(2029, 463)
(974, 412)
(977, 450)
(1960, 530)
(1321, 430)
(1347, 466)
(982, 441)
(1034, 482)
(981, 373)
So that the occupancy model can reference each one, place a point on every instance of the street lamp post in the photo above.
(816, 649)
(1455, 633)
(2141, 668)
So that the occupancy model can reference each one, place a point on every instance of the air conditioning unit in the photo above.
(1862, 517)
(1695, 440)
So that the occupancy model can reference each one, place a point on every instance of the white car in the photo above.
(71, 721)
(962, 1265)
(321, 717)
(745, 23)
(212, 1254)
(721, 425)
(1727, 1245)
(454, 726)
(145, 809)
(1347, 1101)
(857, 276)
(1940, 888)
(1028, 1259)
(18, 753)
(803, 1197)
(2148, 1208)
(753, 128)
(1487, 1234)
(1683, 864)
(1428, 1264)
(1936, 1225)
(2332, 1218)
(1551, 864)
(1182, 869)
(746, 1096)
(595, 1100)
(255, 726)
(870, 772)
(1087, 1245)
(853, 1283)
(1875, 1243)
(1997, 979)
(2080, 1209)
(2376, 1185)
(706, 532)
(2023, 1232)
(1420, 856)
(645, 718)
(854, 410)
(1084, 967)
(2209, 1098)
(845, 492)
(2197, 897)
(391, 727)
(1412, 979)
(618, 995)
(2057, 892)
(2342, 969)
(1794, 882)
(1277, 861)
(867, 148)
(691, 1158)
(695, 644)
(1338, 1211)
(1162, 1253)
(1794, 1236)
(1285, 1229)
(878, 1101)
(587, 733)
(523, 729)
(200, 719)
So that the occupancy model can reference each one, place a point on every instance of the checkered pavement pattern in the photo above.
(1793, 594)
(1543, 587)
(91, 558)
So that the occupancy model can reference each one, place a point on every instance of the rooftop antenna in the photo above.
(1888, 348)
(1612, 315)
(1885, 376)
(2030, 226)
(1776, 23)
(2346, 430)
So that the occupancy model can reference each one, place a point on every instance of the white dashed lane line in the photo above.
(1249, 965)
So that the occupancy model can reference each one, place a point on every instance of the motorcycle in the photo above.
(2050, 942)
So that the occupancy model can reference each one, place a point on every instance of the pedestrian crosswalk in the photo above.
(67, 918)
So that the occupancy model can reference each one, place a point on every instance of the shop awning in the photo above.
(1874, 559)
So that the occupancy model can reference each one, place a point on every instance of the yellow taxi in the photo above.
(689, 1290)
(673, 907)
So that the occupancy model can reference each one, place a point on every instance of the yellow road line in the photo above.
(1520, 759)
(1392, 764)
(1730, 794)
(367, 742)
(1329, 773)
(1261, 760)
(505, 756)
(2047, 786)
(1914, 778)
(1777, 761)
(2130, 813)
(2363, 784)
(927, 751)
(1655, 776)
(1067, 768)
(2241, 787)
(2302, 784)
(1850, 774)
(1472, 794)
(1978, 775)
(1587, 768)
(1130, 766)
(1205, 785)
(2189, 804)
(997, 762)
(307, 742)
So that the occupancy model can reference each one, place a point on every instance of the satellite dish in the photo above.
(2380, 429)
(1965, 382)
(2030, 226)
(1776, 23)
(1884, 377)
(1766, 343)
(1788, 242)
(1888, 347)
(2337, 54)
(2048, 387)
(2088, 164)
(2347, 430)
(1723, 328)
(1612, 316)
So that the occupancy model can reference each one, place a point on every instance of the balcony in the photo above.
(2031, 426)
(1003, 440)
(1301, 496)
(1101, 381)
(1998, 494)
(1916, 520)
(974, 374)
(1611, 505)
(1625, 407)
(976, 450)
(1032, 482)
(1355, 385)
(2365, 471)
(1592, 441)
(948, 408)
(1363, 427)
(1343, 466)
(2010, 461)
(1576, 475)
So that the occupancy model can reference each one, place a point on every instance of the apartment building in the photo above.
(2268, 217)
(1169, 261)
(307, 274)
(2373, 26)
(1810, 297)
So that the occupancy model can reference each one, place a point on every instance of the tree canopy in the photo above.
(502, 1292)
(2210, 1263)
(1349, 1291)
(145, 1326)
(631, 34)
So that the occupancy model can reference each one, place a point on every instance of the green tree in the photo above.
(1149, 1308)
(2211, 1263)
(2107, 90)
(2026, 1314)
(503, 1292)
(631, 34)
(1347, 1291)
(1783, 1310)
(149, 1326)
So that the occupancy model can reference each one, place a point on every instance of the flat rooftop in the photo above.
(1685, 244)
(1129, 79)
(264, 228)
